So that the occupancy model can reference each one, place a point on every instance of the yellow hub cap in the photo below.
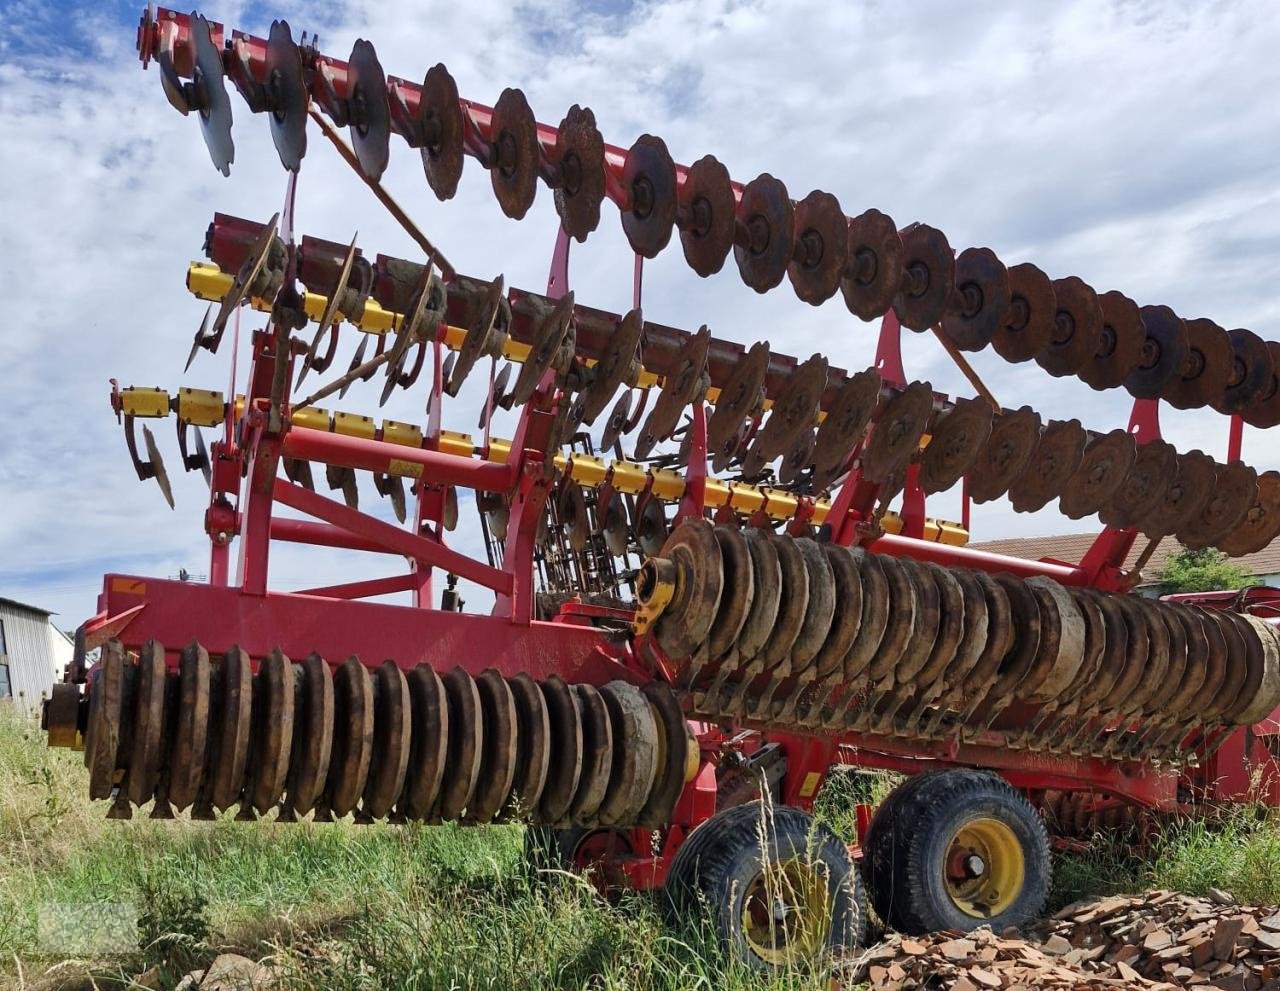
(985, 868)
(786, 915)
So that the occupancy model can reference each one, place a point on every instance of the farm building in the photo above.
(33, 653)
(1263, 566)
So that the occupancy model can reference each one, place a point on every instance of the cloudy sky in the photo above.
(1134, 144)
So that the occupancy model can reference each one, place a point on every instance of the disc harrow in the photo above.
(975, 300)
(921, 651)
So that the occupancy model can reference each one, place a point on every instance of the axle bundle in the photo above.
(385, 742)
(773, 630)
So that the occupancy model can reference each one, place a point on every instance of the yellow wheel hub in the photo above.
(786, 915)
(985, 868)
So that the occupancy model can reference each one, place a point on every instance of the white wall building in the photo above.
(33, 654)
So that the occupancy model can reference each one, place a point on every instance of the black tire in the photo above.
(971, 816)
(721, 866)
(877, 851)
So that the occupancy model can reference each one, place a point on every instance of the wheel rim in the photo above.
(786, 915)
(595, 855)
(985, 868)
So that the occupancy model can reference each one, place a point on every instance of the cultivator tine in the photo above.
(344, 479)
(325, 326)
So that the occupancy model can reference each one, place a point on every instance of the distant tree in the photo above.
(1207, 570)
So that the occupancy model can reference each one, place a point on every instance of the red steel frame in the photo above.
(246, 488)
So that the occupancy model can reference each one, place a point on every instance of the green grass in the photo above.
(359, 907)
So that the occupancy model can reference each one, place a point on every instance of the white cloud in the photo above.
(1133, 144)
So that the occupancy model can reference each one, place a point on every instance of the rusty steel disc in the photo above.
(764, 236)
(928, 623)
(766, 598)
(1265, 412)
(797, 457)
(564, 767)
(597, 755)
(903, 618)
(1027, 327)
(1024, 612)
(650, 527)
(498, 751)
(370, 112)
(1014, 438)
(738, 590)
(579, 157)
(636, 746)
(650, 176)
(613, 525)
(875, 612)
(1120, 346)
(846, 620)
(1202, 380)
(571, 510)
(1235, 490)
(687, 620)
(1158, 706)
(533, 746)
(1055, 460)
(686, 383)
(1077, 328)
(899, 426)
(1136, 652)
(615, 426)
(466, 744)
(1184, 497)
(873, 265)
(793, 412)
(957, 439)
(617, 364)
(1103, 470)
(313, 722)
(191, 728)
(1164, 352)
(1157, 667)
(793, 600)
(1197, 662)
(352, 736)
(1261, 524)
(1155, 465)
(1104, 618)
(928, 277)
(979, 307)
(820, 605)
(1062, 636)
(821, 235)
(950, 625)
(484, 311)
(673, 753)
(146, 725)
(1252, 372)
(845, 425)
(272, 735)
(1252, 662)
(706, 214)
(1215, 663)
(740, 397)
(985, 671)
(974, 634)
(554, 324)
(1261, 692)
(440, 117)
(230, 745)
(392, 732)
(428, 743)
(208, 78)
(102, 730)
(287, 91)
(514, 161)
(1235, 669)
